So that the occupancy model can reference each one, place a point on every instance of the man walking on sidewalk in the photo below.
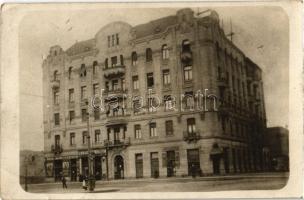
(64, 185)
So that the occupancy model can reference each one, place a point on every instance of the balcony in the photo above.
(186, 57)
(117, 143)
(192, 137)
(115, 71)
(57, 149)
(119, 93)
(55, 84)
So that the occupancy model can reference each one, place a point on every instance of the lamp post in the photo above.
(91, 180)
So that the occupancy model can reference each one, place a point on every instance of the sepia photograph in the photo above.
(141, 98)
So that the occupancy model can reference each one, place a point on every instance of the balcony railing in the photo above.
(57, 149)
(186, 56)
(193, 136)
(114, 71)
(55, 84)
(117, 143)
(115, 93)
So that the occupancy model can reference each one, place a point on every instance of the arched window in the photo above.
(95, 63)
(165, 52)
(106, 63)
(83, 71)
(186, 47)
(70, 72)
(134, 58)
(56, 75)
(121, 60)
(148, 55)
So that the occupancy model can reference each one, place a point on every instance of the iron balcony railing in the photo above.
(57, 149)
(192, 136)
(117, 142)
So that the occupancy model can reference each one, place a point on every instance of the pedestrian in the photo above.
(84, 185)
(64, 185)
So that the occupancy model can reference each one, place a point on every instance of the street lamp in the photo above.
(91, 180)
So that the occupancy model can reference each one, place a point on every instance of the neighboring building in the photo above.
(32, 166)
(168, 57)
(277, 141)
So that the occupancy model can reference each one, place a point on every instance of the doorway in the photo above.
(97, 167)
(118, 167)
(58, 169)
(170, 163)
(73, 170)
(194, 167)
(139, 165)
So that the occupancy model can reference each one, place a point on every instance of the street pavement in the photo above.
(260, 181)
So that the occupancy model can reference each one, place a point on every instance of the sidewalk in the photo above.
(187, 178)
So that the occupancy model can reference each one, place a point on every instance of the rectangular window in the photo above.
(191, 125)
(150, 80)
(114, 61)
(71, 95)
(72, 116)
(115, 85)
(84, 115)
(153, 132)
(117, 39)
(95, 69)
(169, 127)
(84, 137)
(135, 82)
(188, 73)
(95, 89)
(83, 92)
(168, 102)
(109, 41)
(166, 77)
(57, 119)
(97, 136)
(96, 114)
(136, 106)
(56, 97)
(57, 140)
(152, 104)
(137, 130)
(189, 100)
(72, 139)
(113, 40)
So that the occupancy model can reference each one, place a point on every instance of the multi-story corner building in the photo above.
(151, 120)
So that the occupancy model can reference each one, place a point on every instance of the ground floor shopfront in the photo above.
(167, 159)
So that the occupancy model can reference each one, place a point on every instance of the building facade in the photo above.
(277, 141)
(175, 97)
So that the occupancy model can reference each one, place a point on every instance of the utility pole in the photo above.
(91, 180)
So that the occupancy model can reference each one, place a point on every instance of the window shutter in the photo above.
(177, 159)
(164, 157)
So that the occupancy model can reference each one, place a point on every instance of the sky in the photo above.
(260, 32)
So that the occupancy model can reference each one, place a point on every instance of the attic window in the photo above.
(83, 71)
